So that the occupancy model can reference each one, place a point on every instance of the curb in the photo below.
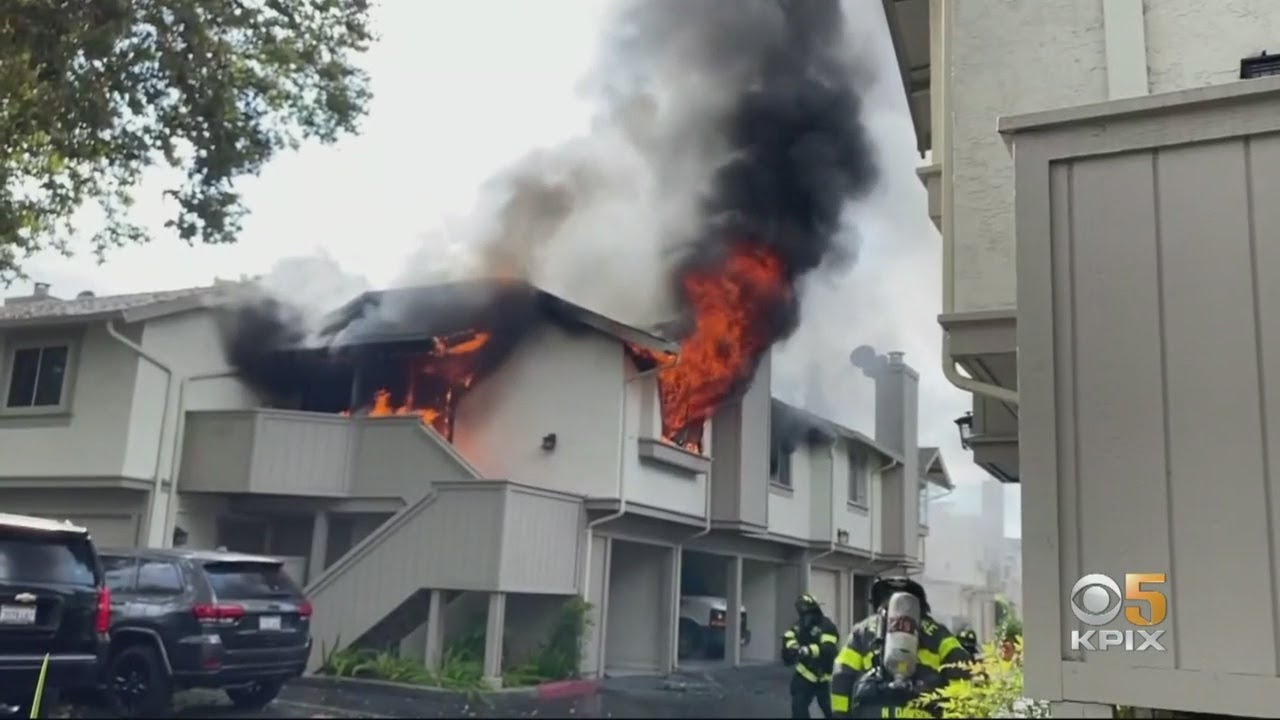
(554, 690)
(566, 689)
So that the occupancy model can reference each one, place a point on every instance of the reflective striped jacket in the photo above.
(938, 648)
(823, 640)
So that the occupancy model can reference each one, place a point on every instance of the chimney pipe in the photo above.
(41, 290)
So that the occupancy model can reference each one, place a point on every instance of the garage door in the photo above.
(825, 586)
(109, 530)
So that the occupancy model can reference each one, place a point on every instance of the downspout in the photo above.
(180, 425)
(164, 413)
(622, 497)
(949, 369)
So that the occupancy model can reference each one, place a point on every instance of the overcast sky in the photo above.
(462, 88)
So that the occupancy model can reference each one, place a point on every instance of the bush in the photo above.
(456, 672)
(560, 657)
(995, 690)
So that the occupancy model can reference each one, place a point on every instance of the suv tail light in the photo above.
(102, 619)
(305, 609)
(217, 614)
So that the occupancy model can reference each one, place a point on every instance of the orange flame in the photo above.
(734, 306)
(451, 361)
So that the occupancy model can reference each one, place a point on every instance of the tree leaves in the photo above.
(93, 93)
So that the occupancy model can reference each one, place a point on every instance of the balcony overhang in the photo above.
(908, 22)
(984, 344)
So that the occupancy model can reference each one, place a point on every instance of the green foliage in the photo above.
(1010, 624)
(96, 92)
(560, 657)
(995, 690)
(455, 673)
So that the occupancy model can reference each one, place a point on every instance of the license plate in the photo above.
(17, 615)
(269, 622)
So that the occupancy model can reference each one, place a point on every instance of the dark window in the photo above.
(859, 480)
(45, 558)
(159, 577)
(249, 580)
(37, 377)
(782, 470)
(120, 572)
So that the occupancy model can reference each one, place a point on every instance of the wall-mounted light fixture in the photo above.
(842, 537)
(549, 442)
(964, 424)
(1260, 65)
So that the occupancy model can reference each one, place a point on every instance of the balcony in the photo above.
(285, 452)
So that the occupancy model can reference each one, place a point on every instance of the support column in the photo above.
(319, 546)
(733, 613)
(493, 639)
(434, 651)
(672, 596)
(1063, 709)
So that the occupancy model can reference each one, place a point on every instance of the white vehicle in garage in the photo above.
(702, 626)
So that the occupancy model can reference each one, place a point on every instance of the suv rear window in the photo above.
(249, 580)
(46, 558)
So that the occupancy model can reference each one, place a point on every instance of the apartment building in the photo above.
(122, 414)
(1099, 173)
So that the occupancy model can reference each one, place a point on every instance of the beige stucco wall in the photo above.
(1005, 57)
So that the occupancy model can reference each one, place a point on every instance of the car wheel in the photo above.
(138, 685)
(690, 640)
(255, 696)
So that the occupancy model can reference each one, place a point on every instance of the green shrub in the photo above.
(560, 657)
(995, 689)
(456, 672)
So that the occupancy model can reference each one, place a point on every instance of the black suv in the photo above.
(201, 618)
(52, 602)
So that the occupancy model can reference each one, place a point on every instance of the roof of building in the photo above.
(422, 301)
(934, 468)
(128, 308)
(834, 429)
(136, 307)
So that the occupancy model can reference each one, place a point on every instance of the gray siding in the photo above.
(285, 452)
(740, 474)
(1149, 297)
(480, 535)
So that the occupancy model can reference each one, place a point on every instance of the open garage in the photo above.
(638, 617)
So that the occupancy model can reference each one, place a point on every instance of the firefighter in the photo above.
(861, 687)
(969, 641)
(810, 646)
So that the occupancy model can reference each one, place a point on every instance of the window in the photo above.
(160, 578)
(120, 572)
(781, 474)
(249, 580)
(46, 558)
(859, 480)
(37, 377)
(924, 504)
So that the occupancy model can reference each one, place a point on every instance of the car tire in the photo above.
(255, 696)
(690, 641)
(138, 684)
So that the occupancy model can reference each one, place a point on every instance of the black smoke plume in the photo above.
(784, 146)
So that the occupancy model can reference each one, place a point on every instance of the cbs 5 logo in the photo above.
(1091, 600)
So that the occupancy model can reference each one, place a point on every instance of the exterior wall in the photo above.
(648, 482)
(553, 383)
(1148, 376)
(854, 519)
(1054, 54)
(740, 475)
(113, 516)
(791, 509)
(90, 439)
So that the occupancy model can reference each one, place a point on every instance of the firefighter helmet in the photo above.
(806, 604)
(884, 588)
